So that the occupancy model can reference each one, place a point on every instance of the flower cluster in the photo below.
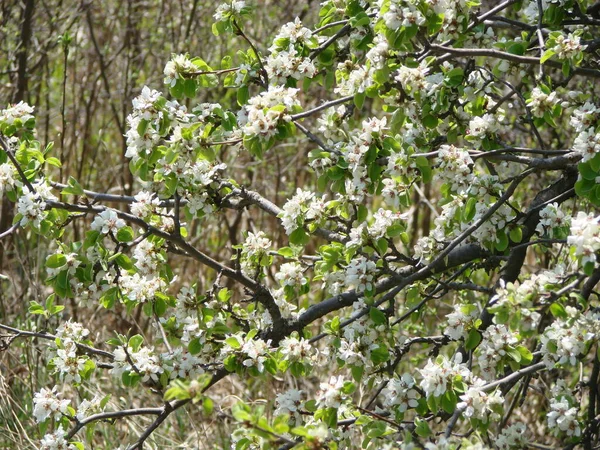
(289, 54)
(254, 251)
(21, 112)
(331, 395)
(541, 102)
(178, 65)
(400, 393)
(562, 418)
(438, 375)
(496, 340)
(417, 81)
(461, 320)
(353, 78)
(56, 441)
(512, 437)
(288, 402)
(31, 205)
(360, 275)
(402, 14)
(565, 340)
(478, 404)
(263, 113)
(291, 274)
(145, 204)
(587, 144)
(47, 403)
(252, 351)
(553, 221)
(7, 177)
(566, 47)
(454, 167)
(226, 9)
(301, 208)
(294, 349)
(108, 221)
(141, 361)
(585, 237)
(585, 117)
(482, 127)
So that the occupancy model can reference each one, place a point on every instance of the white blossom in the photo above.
(585, 237)
(20, 111)
(107, 221)
(145, 204)
(438, 376)
(46, 403)
(563, 419)
(56, 441)
(288, 402)
(399, 392)
(587, 144)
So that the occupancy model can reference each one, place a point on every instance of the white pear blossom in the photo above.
(7, 177)
(585, 236)
(360, 274)
(400, 392)
(291, 274)
(20, 111)
(47, 402)
(330, 395)
(512, 437)
(143, 362)
(587, 144)
(438, 376)
(562, 418)
(566, 47)
(56, 441)
(145, 204)
(551, 219)
(108, 221)
(460, 320)
(227, 8)
(178, 65)
(478, 404)
(288, 402)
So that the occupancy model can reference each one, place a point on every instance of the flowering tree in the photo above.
(435, 286)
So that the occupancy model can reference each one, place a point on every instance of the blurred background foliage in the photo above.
(80, 63)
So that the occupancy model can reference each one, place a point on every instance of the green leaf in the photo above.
(53, 161)
(514, 354)
(558, 310)
(242, 95)
(357, 373)
(135, 342)
(177, 91)
(516, 235)
(502, 243)
(195, 346)
(422, 428)
(473, 340)
(125, 234)
(470, 210)
(55, 261)
(233, 343)
(547, 55)
(286, 252)
(526, 355)
(359, 100)
(299, 237)
(208, 406)
(189, 88)
(449, 401)
(377, 316)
